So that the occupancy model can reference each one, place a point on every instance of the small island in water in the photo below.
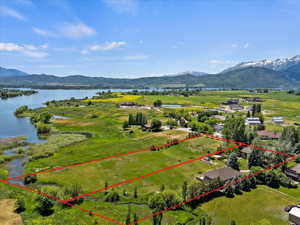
(11, 93)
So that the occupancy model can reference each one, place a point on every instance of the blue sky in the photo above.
(134, 38)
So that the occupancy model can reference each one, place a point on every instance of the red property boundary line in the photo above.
(67, 202)
(105, 158)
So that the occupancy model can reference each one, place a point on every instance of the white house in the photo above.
(252, 121)
(277, 119)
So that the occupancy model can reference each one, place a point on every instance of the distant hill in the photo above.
(11, 72)
(248, 77)
(293, 72)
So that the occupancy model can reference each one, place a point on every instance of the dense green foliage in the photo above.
(234, 128)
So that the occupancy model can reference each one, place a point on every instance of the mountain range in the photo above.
(11, 72)
(278, 73)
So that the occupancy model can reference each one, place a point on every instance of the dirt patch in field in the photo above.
(7, 215)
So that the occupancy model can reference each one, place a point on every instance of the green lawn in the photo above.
(251, 207)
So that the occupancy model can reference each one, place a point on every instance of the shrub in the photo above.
(19, 206)
(74, 191)
(157, 103)
(30, 179)
(44, 205)
(43, 117)
(112, 196)
(42, 128)
(125, 125)
(91, 116)
(21, 110)
(155, 125)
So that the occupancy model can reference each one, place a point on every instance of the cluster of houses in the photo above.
(233, 104)
(227, 173)
(252, 99)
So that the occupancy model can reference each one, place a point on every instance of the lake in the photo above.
(11, 126)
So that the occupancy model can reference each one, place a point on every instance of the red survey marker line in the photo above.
(152, 173)
(101, 159)
(273, 151)
(290, 157)
(214, 190)
(223, 139)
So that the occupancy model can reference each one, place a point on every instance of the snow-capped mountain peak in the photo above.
(274, 64)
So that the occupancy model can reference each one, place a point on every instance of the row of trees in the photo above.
(135, 119)
(141, 120)
(273, 178)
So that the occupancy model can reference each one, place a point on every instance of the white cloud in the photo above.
(10, 47)
(77, 30)
(28, 50)
(245, 45)
(84, 52)
(11, 12)
(30, 47)
(44, 46)
(107, 46)
(44, 33)
(136, 57)
(104, 47)
(122, 6)
(36, 54)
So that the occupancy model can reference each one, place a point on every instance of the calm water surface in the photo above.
(11, 126)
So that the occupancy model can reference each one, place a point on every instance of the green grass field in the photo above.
(262, 203)
(106, 138)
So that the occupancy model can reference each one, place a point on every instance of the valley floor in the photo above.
(91, 130)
